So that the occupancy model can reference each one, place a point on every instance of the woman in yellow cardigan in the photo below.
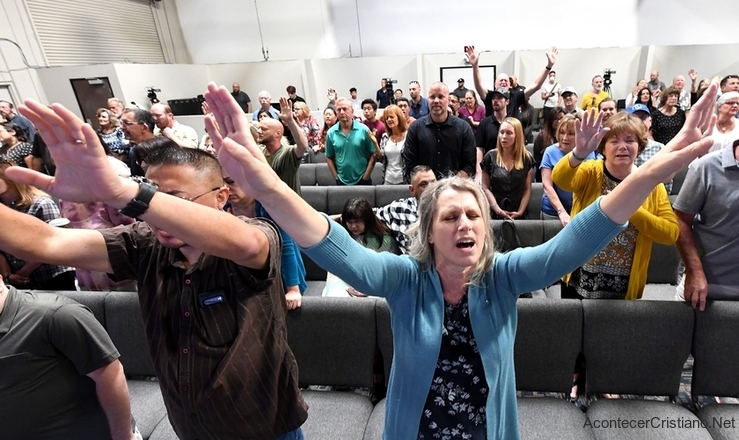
(619, 271)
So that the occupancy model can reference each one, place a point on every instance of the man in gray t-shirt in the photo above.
(706, 211)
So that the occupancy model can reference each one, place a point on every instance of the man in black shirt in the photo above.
(441, 141)
(518, 96)
(241, 98)
(383, 95)
(486, 137)
(461, 90)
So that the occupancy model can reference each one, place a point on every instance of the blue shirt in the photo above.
(422, 109)
(272, 112)
(413, 292)
(552, 155)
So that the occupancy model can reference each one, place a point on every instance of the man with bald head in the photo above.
(517, 96)
(443, 142)
(265, 103)
(282, 157)
(654, 82)
(684, 100)
(166, 125)
(241, 98)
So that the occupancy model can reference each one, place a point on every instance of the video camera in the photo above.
(152, 94)
(607, 77)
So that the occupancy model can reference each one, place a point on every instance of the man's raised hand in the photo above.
(83, 171)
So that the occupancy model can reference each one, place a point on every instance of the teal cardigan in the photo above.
(413, 292)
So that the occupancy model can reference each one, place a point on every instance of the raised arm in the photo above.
(691, 142)
(287, 118)
(474, 58)
(243, 161)
(536, 85)
(84, 174)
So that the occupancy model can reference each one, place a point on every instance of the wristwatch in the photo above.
(139, 204)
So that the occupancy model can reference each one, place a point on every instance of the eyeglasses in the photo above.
(192, 199)
(125, 122)
(732, 103)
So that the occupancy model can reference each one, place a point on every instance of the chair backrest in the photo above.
(307, 174)
(324, 176)
(716, 350)
(334, 341)
(636, 347)
(126, 329)
(529, 232)
(338, 195)
(316, 196)
(384, 194)
(533, 209)
(548, 340)
(663, 264)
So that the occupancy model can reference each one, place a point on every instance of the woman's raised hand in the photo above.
(588, 133)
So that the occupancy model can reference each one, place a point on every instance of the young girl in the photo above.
(357, 218)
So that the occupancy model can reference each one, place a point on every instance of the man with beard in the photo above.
(439, 140)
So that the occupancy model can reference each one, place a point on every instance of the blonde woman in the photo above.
(507, 173)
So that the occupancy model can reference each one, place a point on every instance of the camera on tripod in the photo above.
(152, 94)
(389, 81)
(607, 77)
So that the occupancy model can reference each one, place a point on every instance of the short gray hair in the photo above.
(724, 98)
(422, 251)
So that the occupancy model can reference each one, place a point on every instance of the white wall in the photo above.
(305, 29)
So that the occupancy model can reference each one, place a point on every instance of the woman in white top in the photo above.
(392, 143)
(726, 130)
(631, 98)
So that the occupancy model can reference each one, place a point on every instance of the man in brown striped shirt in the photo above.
(209, 284)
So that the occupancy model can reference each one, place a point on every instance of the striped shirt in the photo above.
(217, 336)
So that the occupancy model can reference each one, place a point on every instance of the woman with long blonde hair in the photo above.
(507, 173)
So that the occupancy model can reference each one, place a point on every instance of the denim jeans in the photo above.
(292, 435)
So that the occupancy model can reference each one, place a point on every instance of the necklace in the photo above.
(723, 128)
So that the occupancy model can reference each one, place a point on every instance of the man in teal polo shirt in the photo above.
(350, 148)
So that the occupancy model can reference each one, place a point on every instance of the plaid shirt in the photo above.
(44, 209)
(653, 147)
(398, 216)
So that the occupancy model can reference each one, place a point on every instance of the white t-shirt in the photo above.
(555, 88)
(723, 140)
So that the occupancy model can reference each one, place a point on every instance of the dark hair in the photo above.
(402, 99)
(291, 89)
(19, 133)
(419, 169)
(370, 102)
(548, 133)
(263, 111)
(359, 208)
(353, 89)
(142, 117)
(724, 80)
(173, 155)
(399, 90)
(144, 149)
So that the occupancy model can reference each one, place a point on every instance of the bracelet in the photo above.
(547, 67)
(578, 158)
(140, 203)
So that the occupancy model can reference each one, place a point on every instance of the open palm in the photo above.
(83, 171)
